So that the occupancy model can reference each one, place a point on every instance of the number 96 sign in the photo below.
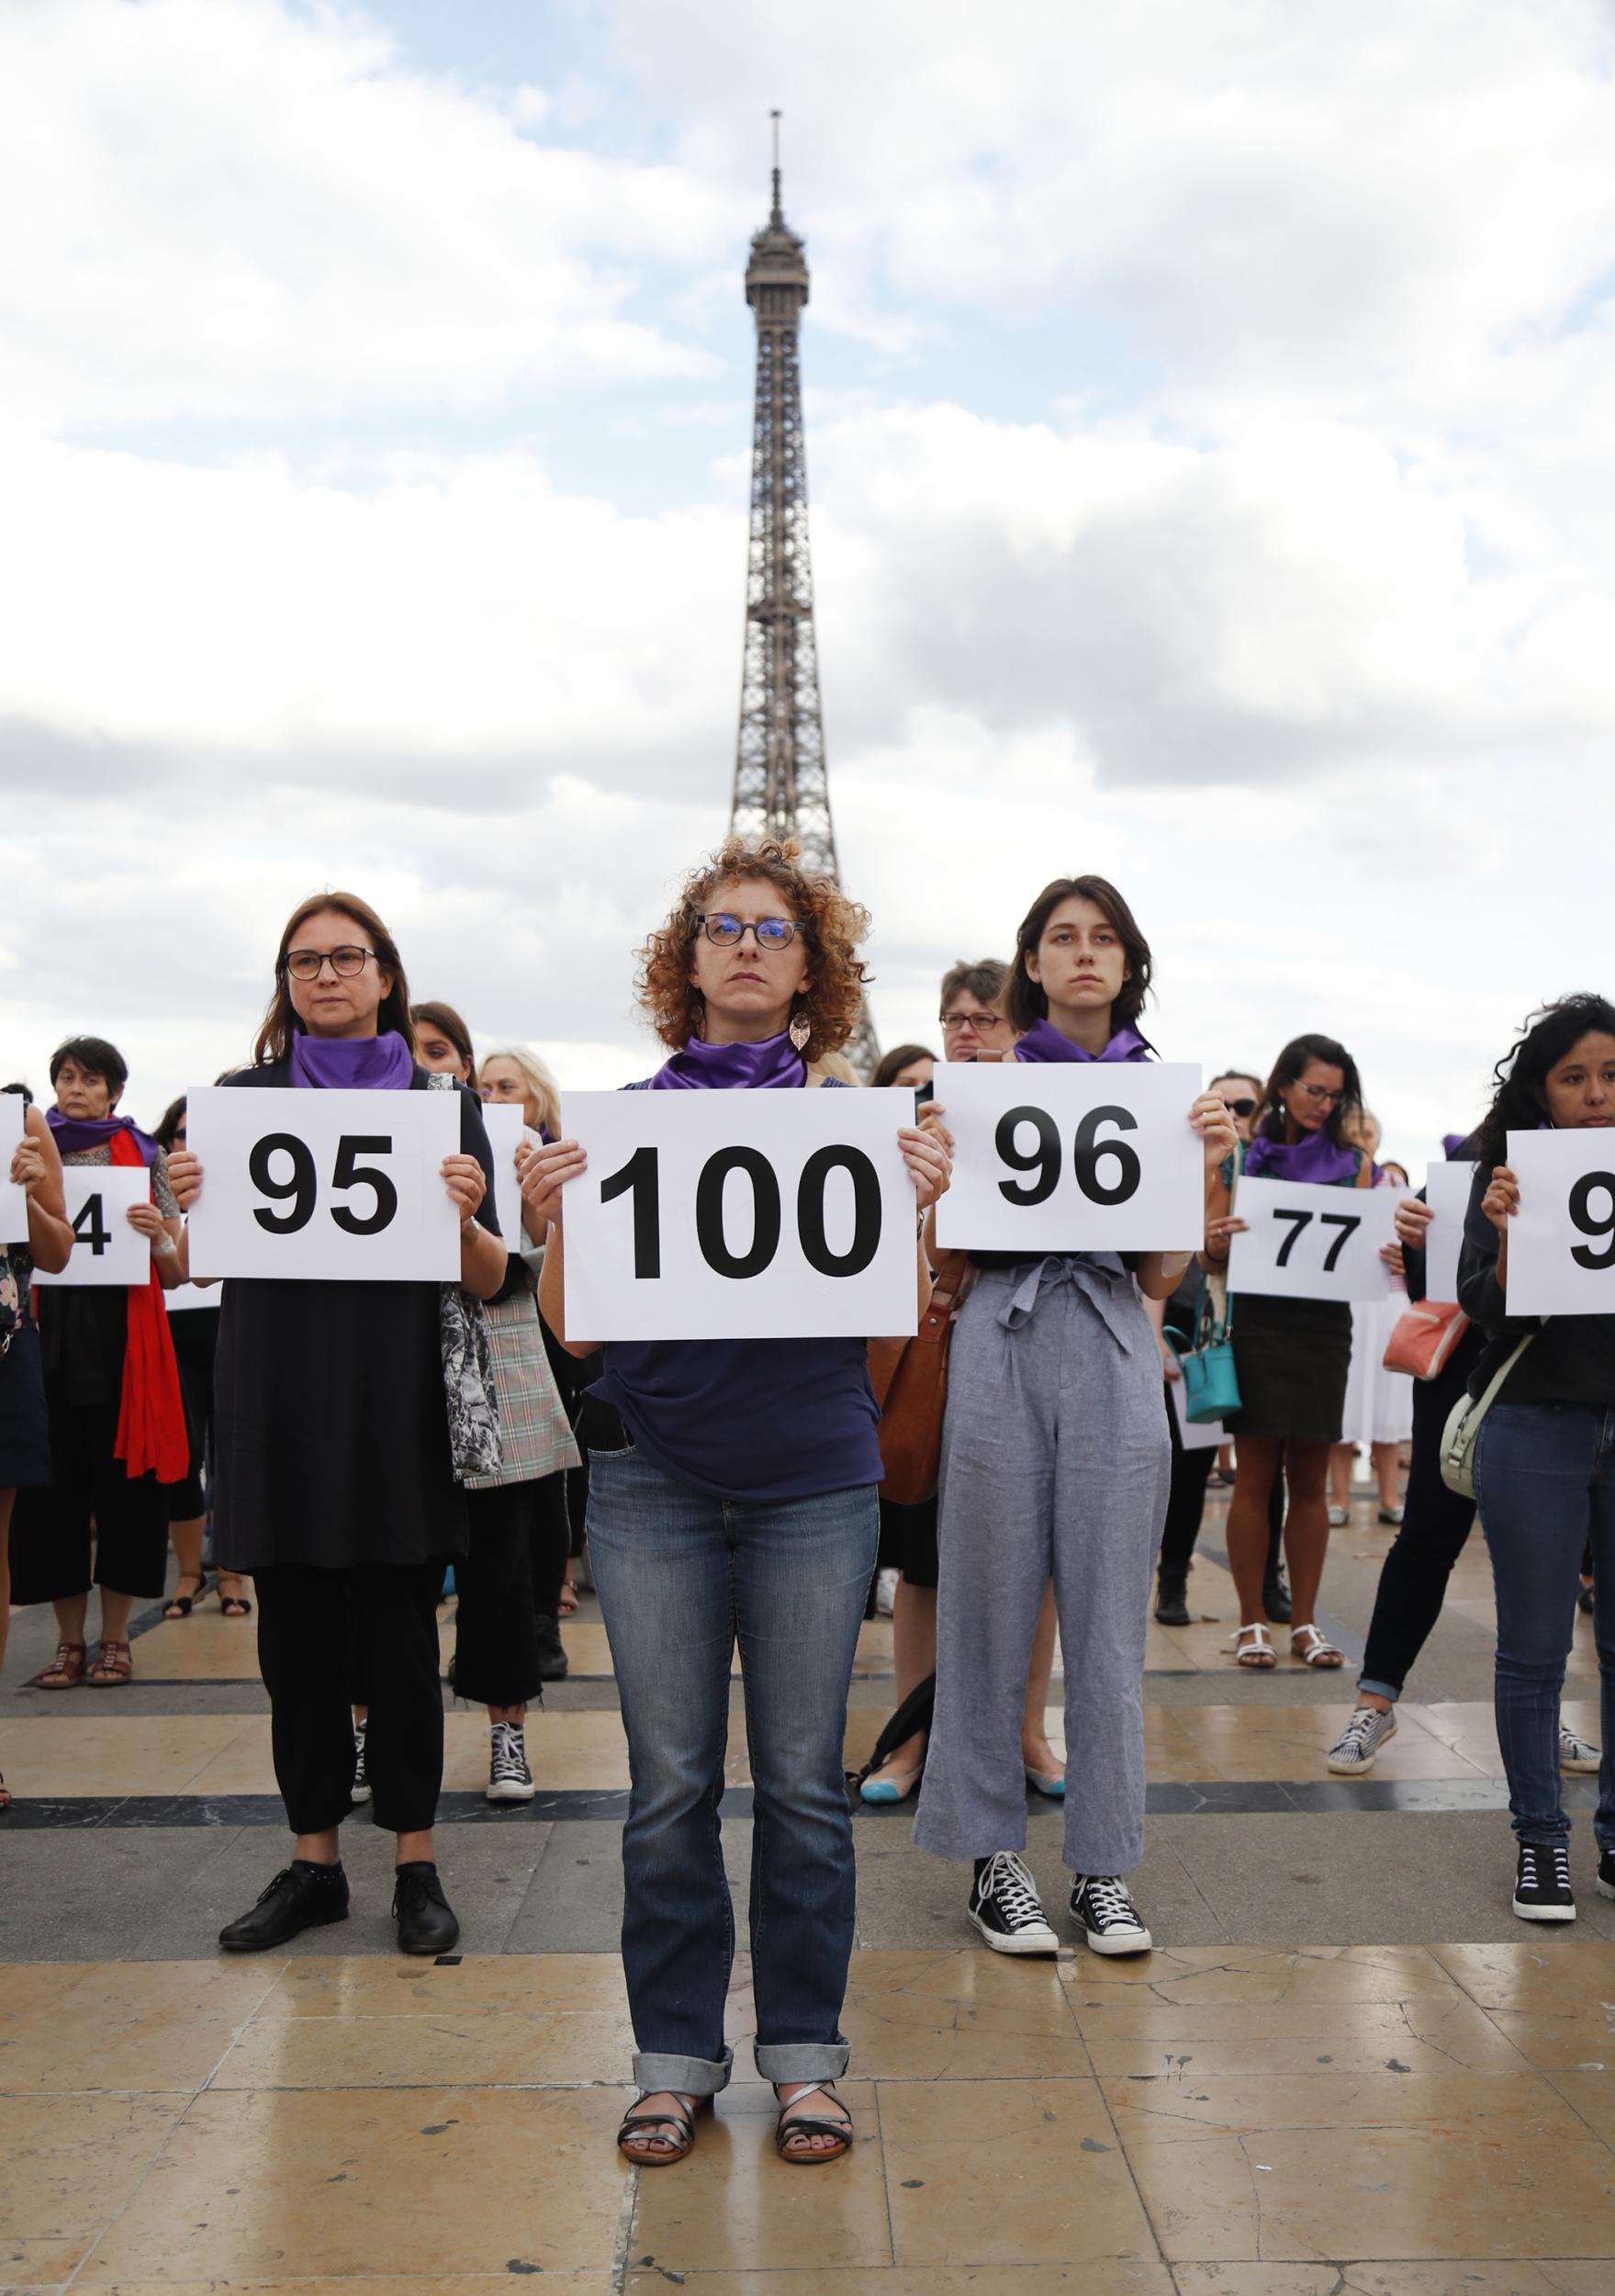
(739, 1215)
(324, 1184)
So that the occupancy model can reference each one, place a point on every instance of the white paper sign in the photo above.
(325, 1185)
(1446, 1191)
(505, 1129)
(1061, 1157)
(1204, 1434)
(106, 1249)
(1310, 1243)
(1562, 1240)
(14, 1202)
(740, 1215)
(184, 1296)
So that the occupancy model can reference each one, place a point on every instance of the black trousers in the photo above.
(1435, 1524)
(92, 1496)
(305, 1618)
(1185, 1502)
(519, 1538)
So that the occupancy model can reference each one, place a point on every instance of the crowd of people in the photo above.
(352, 1442)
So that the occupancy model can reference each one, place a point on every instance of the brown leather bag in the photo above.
(910, 1380)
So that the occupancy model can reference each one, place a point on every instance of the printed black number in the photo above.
(1044, 1159)
(1302, 1220)
(1089, 1150)
(1348, 1224)
(96, 1235)
(350, 1172)
(766, 1212)
(297, 1192)
(866, 1211)
(640, 1179)
(1581, 1212)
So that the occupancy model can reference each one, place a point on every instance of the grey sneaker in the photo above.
(361, 1785)
(1578, 1753)
(1353, 1753)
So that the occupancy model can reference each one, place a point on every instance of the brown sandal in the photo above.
(66, 1669)
(113, 1665)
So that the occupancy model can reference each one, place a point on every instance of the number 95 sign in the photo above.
(1562, 1240)
(324, 1184)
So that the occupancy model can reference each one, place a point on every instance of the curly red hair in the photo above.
(833, 924)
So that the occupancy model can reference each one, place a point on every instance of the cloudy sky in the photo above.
(1209, 449)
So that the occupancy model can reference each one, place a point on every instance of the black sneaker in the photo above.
(1103, 1910)
(360, 1789)
(301, 1896)
(427, 1922)
(1171, 1608)
(1005, 1908)
(1607, 1875)
(1275, 1600)
(1542, 1886)
(508, 1778)
(553, 1660)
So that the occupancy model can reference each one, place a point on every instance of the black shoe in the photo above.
(1584, 1601)
(1275, 1601)
(1005, 1908)
(552, 1655)
(1542, 1887)
(425, 1918)
(1607, 1875)
(1102, 1909)
(1170, 1608)
(300, 1898)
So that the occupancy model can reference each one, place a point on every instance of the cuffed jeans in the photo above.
(681, 1577)
(1544, 1476)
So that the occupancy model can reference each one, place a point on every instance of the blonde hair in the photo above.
(542, 1088)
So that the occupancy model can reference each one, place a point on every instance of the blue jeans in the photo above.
(682, 1577)
(1544, 1477)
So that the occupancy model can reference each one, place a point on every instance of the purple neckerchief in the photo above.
(353, 1063)
(773, 1065)
(1453, 1145)
(1317, 1159)
(1043, 1041)
(73, 1134)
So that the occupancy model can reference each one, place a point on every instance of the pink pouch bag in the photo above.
(1423, 1339)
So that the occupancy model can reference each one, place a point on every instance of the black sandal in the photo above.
(808, 2124)
(678, 2127)
(180, 1605)
(234, 1606)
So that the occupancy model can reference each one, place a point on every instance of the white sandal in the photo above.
(1257, 1654)
(1319, 1651)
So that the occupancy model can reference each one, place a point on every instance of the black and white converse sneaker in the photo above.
(1004, 1906)
(1542, 1886)
(360, 1788)
(1354, 1752)
(1607, 1875)
(1577, 1754)
(1103, 1910)
(508, 1778)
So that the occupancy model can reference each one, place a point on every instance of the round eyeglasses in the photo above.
(304, 964)
(768, 932)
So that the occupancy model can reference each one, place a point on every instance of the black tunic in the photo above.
(332, 1430)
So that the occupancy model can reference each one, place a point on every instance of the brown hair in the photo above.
(447, 1021)
(832, 924)
(1024, 1001)
(891, 1064)
(274, 1038)
(984, 980)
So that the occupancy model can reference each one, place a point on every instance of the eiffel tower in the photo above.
(782, 788)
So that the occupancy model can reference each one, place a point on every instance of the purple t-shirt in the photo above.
(768, 1420)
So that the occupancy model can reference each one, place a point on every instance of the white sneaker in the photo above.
(1339, 1516)
(1102, 1909)
(360, 1789)
(508, 1778)
(1005, 1907)
(885, 1592)
(1354, 1752)
(1578, 1753)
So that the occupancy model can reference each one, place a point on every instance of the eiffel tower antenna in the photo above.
(782, 788)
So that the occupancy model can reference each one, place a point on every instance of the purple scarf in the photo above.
(73, 1134)
(362, 1064)
(774, 1065)
(1316, 1159)
(1043, 1041)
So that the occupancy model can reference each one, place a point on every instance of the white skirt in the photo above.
(1379, 1403)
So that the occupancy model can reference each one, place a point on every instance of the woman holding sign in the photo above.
(1291, 1356)
(336, 1479)
(1055, 1462)
(1544, 1460)
(740, 1505)
(34, 1167)
(117, 1421)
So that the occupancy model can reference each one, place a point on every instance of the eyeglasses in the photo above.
(950, 1023)
(768, 932)
(304, 964)
(1240, 1107)
(1320, 1097)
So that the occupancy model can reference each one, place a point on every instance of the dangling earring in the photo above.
(802, 1029)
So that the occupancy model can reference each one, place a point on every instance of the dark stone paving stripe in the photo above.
(1214, 1797)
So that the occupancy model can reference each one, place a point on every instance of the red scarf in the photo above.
(150, 1413)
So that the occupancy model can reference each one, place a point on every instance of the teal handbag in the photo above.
(1211, 1386)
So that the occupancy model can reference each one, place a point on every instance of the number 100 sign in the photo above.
(324, 1184)
(739, 1215)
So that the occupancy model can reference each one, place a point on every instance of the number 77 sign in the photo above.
(1309, 1242)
